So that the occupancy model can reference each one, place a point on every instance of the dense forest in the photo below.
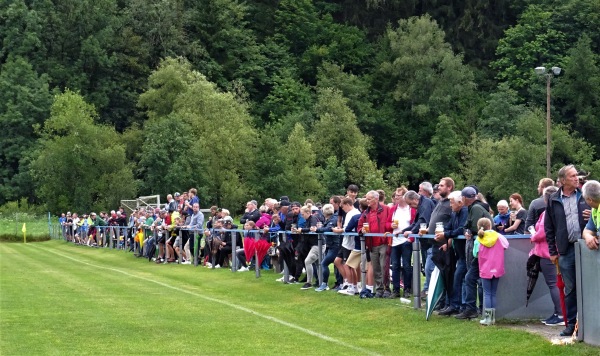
(110, 99)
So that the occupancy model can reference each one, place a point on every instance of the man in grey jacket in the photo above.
(537, 205)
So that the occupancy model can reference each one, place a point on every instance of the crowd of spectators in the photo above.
(459, 223)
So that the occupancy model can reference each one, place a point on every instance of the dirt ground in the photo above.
(550, 333)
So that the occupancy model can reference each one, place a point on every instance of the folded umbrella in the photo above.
(249, 248)
(446, 262)
(533, 271)
(262, 247)
(560, 284)
(436, 290)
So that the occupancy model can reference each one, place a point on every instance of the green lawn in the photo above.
(57, 298)
(11, 226)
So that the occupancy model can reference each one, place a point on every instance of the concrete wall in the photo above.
(588, 293)
(512, 288)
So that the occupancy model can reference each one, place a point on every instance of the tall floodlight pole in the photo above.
(548, 75)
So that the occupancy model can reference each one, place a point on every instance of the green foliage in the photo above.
(300, 179)
(333, 178)
(80, 165)
(197, 136)
(580, 91)
(24, 103)
(513, 163)
(500, 114)
(533, 42)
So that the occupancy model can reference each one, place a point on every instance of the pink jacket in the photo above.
(540, 245)
(491, 259)
(265, 220)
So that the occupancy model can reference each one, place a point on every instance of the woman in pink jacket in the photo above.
(489, 250)
(540, 249)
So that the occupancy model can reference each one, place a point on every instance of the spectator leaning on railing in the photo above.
(566, 215)
(591, 193)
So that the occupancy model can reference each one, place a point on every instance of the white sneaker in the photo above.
(218, 266)
(348, 291)
(279, 279)
(186, 263)
(243, 269)
(208, 265)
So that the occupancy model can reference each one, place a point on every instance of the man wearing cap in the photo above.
(227, 240)
(564, 223)
(475, 211)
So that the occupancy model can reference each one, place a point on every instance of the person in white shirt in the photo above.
(347, 206)
(401, 246)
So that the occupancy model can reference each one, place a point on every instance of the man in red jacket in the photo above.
(377, 218)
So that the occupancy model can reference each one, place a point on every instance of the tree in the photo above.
(532, 42)
(513, 163)
(80, 165)
(300, 178)
(500, 114)
(24, 103)
(216, 154)
(579, 91)
(418, 79)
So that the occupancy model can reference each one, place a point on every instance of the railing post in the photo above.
(286, 270)
(416, 283)
(363, 263)
(196, 247)
(256, 264)
(234, 260)
(180, 254)
(320, 257)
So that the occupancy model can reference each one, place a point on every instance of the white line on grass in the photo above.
(247, 310)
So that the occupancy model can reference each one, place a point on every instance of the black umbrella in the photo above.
(446, 262)
(533, 271)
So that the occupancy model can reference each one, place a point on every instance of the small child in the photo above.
(489, 249)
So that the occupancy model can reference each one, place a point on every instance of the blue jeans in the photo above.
(429, 267)
(404, 252)
(490, 286)
(470, 286)
(328, 259)
(455, 298)
(567, 268)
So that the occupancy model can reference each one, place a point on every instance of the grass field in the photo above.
(11, 225)
(57, 298)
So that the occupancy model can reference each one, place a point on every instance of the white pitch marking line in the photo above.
(244, 309)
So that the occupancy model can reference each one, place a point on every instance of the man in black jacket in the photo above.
(566, 215)
(251, 213)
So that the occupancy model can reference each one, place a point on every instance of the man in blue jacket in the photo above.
(566, 216)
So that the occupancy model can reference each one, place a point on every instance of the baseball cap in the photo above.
(469, 192)
(177, 194)
(295, 203)
(227, 219)
(285, 203)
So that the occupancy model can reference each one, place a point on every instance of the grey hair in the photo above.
(562, 173)
(427, 187)
(263, 209)
(328, 210)
(591, 190)
(374, 194)
(411, 195)
(456, 196)
(548, 191)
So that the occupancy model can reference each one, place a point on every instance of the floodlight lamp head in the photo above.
(540, 70)
(556, 70)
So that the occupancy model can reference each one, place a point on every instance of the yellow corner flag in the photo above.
(24, 229)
